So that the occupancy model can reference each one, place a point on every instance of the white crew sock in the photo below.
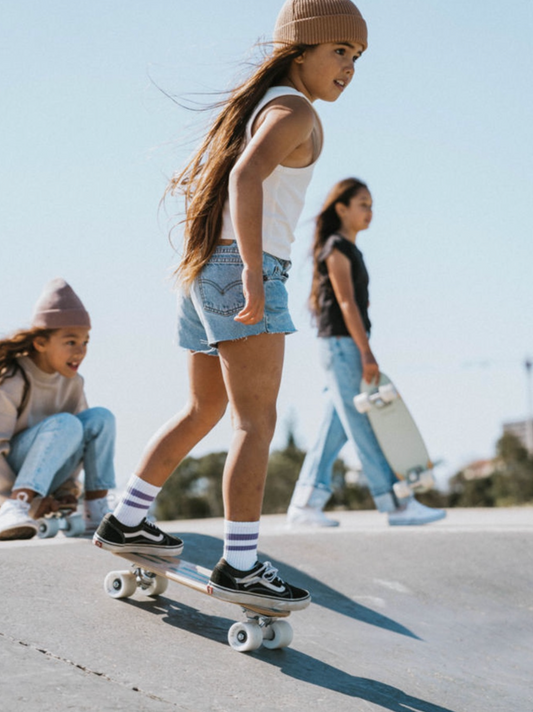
(135, 502)
(240, 544)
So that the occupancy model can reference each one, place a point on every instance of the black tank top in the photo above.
(330, 320)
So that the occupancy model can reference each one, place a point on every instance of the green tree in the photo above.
(511, 483)
(193, 490)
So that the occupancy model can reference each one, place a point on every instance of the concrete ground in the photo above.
(417, 619)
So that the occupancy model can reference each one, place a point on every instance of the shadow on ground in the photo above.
(291, 662)
(205, 550)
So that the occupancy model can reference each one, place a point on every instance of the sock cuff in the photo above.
(241, 527)
(136, 483)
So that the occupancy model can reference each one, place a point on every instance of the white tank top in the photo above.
(283, 193)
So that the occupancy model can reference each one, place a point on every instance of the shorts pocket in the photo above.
(220, 288)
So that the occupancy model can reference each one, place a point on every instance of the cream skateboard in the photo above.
(152, 573)
(397, 435)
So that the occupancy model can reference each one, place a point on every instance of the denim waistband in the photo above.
(230, 254)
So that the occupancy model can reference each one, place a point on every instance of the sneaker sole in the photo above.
(256, 600)
(166, 551)
(20, 532)
(416, 522)
(321, 525)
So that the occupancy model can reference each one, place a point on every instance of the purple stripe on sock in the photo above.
(241, 548)
(141, 495)
(241, 537)
(131, 503)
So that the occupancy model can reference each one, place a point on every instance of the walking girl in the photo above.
(244, 192)
(47, 431)
(339, 302)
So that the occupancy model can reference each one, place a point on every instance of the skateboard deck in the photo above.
(151, 574)
(397, 435)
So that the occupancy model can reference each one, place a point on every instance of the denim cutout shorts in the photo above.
(206, 315)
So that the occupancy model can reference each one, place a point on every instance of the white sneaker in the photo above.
(414, 513)
(94, 511)
(309, 516)
(15, 520)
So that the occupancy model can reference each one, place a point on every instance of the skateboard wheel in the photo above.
(362, 403)
(427, 481)
(402, 489)
(120, 584)
(388, 393)
(159, 585)
(48, 528)
(277, 635)
(245, 637)
(74, 525)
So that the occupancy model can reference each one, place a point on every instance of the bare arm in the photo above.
(285, 125)
(341, 280)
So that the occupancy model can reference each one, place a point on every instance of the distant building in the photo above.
(523, 431)
(479, 469)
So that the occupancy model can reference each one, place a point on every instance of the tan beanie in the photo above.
(59, 307)
(313, 22)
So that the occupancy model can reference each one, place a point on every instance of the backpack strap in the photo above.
(12, 371)
(25, 393)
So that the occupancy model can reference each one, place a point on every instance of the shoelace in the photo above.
(270, 573)
(151, 527)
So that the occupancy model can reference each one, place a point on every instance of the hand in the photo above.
(67, 502)
(370, 368)
(254, 295)
(44, 505)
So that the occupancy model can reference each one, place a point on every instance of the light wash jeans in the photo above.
(341, 422)
(46, 455)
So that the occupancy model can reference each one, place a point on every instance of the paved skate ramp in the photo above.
(423, 619)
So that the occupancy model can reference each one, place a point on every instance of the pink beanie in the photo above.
(59, 307)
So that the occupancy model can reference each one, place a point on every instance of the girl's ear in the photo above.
(300, 58)
(39, 343)
(340, 209)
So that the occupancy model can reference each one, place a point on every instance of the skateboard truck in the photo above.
(377, 398)
(259, 630)
(69, 522)
(417, 479)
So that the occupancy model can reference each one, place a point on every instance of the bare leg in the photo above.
(174, 441)
(252, 370)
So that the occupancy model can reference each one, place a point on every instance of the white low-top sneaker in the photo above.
(309, 516)
(414, 513)
(15, 520)
(94, 510)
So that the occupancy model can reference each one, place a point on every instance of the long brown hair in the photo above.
(17, 345)
(326, 224)
(204, 180)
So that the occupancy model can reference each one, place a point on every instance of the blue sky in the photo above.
(437, 121)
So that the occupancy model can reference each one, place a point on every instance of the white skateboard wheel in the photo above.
(424, 482)
(362, 403)
(48, 528)
(159, 585)
(388, 393)
(245, 637)
(402, 489)
(277, 635)
(74, 525)
(120, 584)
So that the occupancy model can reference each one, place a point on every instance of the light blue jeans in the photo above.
(341, 422)
(45, 456)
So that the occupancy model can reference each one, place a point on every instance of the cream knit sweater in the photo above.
(48, 394)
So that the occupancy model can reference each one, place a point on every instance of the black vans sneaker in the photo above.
(145, 538)
(259, 587)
